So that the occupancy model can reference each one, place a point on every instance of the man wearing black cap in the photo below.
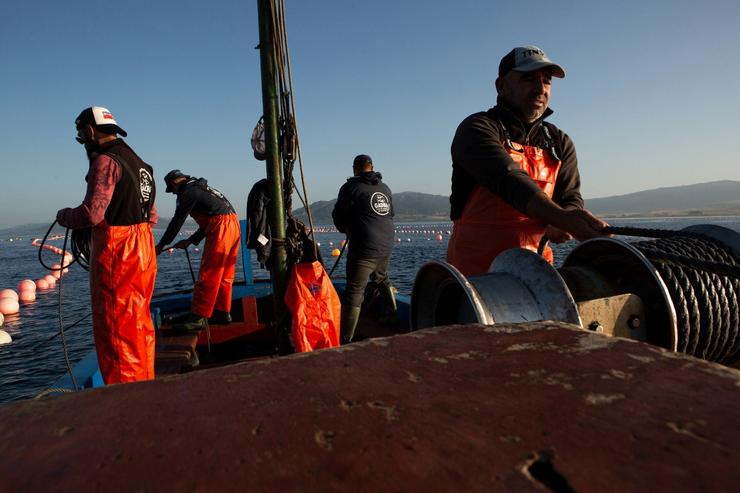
(219, 225)
(514, 176)
(364, 212)
(119, 209)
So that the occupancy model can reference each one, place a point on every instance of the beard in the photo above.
(92, 150)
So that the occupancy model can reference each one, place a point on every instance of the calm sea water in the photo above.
(35, 358)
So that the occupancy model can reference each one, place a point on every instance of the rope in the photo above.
(702, 279)
(339, 257)
(61, 324)
(65, 349)
(190, 266)
(288, 112)
(722, 269)
(51, 390)
(192, 276)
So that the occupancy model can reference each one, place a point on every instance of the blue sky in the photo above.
(651, 95)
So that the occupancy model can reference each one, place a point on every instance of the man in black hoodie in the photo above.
(219, 225)
(364, 212)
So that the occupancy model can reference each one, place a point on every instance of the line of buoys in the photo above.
(10, 300)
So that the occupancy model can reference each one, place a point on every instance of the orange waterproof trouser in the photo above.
(123, 267)
(217, 267)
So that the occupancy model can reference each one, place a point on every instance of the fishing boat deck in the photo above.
(524, 407)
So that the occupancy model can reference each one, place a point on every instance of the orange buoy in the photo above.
(42, 284)
(27, 296)
(25, 284)
(8, 293)
(9, 306)
(51, 280)
(335, 252)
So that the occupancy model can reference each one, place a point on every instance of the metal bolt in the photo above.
(634, 322)
(595, 326)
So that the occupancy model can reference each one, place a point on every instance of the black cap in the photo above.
(361, 161)
(170, 178)
(100, 118)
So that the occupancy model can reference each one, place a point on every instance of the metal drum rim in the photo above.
(662, 288)
(479, 308)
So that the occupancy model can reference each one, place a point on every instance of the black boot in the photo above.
(219, 317)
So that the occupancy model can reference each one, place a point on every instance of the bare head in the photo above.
(362, 164)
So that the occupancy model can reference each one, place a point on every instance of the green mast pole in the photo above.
(276, 209)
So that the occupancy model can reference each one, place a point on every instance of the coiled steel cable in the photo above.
(703, 280)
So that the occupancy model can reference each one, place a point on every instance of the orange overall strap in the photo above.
(488, 225)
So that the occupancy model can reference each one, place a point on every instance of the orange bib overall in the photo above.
(314, 307)
(218, 264)
(123, 267)
(488, 225)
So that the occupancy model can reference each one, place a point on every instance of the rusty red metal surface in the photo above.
(465, 408)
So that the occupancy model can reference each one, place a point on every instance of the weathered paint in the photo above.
(461, 408)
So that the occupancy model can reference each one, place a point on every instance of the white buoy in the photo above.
(2, 319)
(5, 338)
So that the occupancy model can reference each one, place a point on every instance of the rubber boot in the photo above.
(389, 299)
(191, 323)
(350, 316)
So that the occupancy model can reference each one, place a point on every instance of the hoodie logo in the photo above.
(145, 184)
(380, 204)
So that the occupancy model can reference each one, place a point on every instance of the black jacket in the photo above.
(259, 236)
(479, 157)
(364, 211)
(195, 197)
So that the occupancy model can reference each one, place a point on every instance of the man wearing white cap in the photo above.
(119, 209)
(514, 176)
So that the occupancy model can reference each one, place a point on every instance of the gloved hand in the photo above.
(182, 244)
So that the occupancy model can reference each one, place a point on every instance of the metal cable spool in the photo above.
(519, 287)
(687, 279)
(679, 292)
(706, 303)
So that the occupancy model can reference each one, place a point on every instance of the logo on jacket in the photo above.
(146, 184)
(380, 203)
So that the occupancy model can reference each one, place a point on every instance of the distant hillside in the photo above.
(38, 230)
(714, 198)
(409, 206)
